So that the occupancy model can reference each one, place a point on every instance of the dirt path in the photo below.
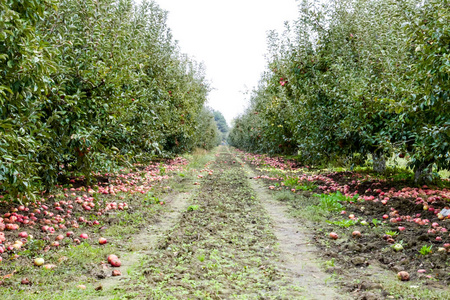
(231, 241)
(297, 253)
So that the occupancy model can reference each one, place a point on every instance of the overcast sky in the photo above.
(229, 37)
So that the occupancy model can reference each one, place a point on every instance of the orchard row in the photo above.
(91, 85)
(353, 78)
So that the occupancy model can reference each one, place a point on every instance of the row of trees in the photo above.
(221, 125)
(90, 84)
(356, 77)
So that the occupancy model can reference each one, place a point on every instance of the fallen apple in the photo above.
(39, 261)
(397, 247)
(356, 234)
(111, 257)
(403, 276)
(334, 235)
(49, 266)
(116, 263)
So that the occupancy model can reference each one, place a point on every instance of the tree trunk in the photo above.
(379, 163)
(423, 174)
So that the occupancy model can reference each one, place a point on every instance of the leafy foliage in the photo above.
(344, 223)
(90, 85)
(330, 202)
(353, 78)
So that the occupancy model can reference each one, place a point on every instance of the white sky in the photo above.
(229, 37)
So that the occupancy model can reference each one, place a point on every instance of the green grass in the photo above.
(284, 196)
(306, 208)
(61, 282)
(199, 158)
(414, 290)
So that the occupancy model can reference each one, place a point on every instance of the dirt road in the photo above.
(232, 241)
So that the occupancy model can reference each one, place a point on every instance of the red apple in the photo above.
(115, 262)
(111, 257)
(334, 235)
(356, 234)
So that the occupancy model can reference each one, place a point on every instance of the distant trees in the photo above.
(221, 124)
(356, 77)
(208, 134)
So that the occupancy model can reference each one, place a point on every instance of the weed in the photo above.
(425, 250)
(329, 202)
(284, 196)
(376, 222)
(330, 263)
(344, 223)
(150, 199)
(307, 186)
(33, 247)
(192, 207)
(201, 257)
(294, 182)
(391, 233)
(290, 181)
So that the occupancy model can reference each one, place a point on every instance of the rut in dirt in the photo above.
(223, 246)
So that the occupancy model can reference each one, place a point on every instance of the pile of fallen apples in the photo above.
(51, 218)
